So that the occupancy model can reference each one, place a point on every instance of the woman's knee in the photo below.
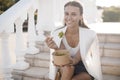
(67, 70)
(82, 76)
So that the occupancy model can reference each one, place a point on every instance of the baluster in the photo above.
(5, 59)
(31, 33)
(20, 51)
(40, 36)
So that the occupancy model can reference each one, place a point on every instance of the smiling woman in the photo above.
(80, 42)
(108, 3)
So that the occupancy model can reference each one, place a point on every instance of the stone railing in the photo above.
(15, 17)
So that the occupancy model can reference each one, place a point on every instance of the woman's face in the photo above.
(72, 16)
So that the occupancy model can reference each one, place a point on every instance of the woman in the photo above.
(82, 44)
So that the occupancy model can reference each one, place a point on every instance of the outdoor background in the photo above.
(110, 8)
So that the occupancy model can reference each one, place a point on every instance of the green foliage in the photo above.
(5, 4)
(111, 14)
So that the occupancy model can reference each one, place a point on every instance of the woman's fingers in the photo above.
(51, 44)
(55, 64)
(49, 41)
(67, 65)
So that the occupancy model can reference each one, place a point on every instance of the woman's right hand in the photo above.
(50, 43)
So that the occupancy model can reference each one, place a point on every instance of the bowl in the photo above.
(61, 57)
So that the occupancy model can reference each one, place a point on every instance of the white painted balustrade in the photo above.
(15, 16)
(19, 49)
(31, 32)
(5, 59)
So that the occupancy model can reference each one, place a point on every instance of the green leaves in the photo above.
(61, 34)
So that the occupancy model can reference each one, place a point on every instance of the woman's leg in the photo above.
(67, 72)
(82, 76)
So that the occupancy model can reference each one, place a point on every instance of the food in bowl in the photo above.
(61, 57)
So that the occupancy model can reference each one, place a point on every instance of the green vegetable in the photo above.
(61, 34)
(59, 54)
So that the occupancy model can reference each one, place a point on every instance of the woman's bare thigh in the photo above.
(82, 76)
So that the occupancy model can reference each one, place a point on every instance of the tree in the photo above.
(111, 14)
(5, 4)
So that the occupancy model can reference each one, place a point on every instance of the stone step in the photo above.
(111, 66)
(38, 60)
(42, 60)
(33, 73)
(106, 61)
(112, 46)
(41, 45)
(110, 77)
(37, 73)
(112, 38)
(110, 50)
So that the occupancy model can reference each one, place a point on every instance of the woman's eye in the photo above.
(73, 14)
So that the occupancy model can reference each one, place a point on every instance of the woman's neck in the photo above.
(73, 30)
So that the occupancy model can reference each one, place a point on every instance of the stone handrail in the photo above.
(15, 17)
(19, 10)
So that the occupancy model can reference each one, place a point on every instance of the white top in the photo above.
(72, 50)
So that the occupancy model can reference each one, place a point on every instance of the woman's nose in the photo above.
(69, 17)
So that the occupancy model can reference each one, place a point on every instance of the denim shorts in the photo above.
(79, 68)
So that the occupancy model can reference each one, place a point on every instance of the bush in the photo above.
(111, 14)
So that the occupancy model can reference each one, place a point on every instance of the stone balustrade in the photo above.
(11, 19)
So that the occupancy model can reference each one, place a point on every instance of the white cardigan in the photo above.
(89, 52)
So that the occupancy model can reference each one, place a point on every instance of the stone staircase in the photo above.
(39, 63)
(110, 55)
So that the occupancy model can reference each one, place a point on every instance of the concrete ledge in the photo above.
(40, 59)
(110, 77)
(43, 56)
(112, 46)
(17, 77)
(41, 45)
(33, 73)
(112, 53)
(111, 70)
(106, 61)
(110, 49)
(36, 72)
(112, 38)
(41, 63)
